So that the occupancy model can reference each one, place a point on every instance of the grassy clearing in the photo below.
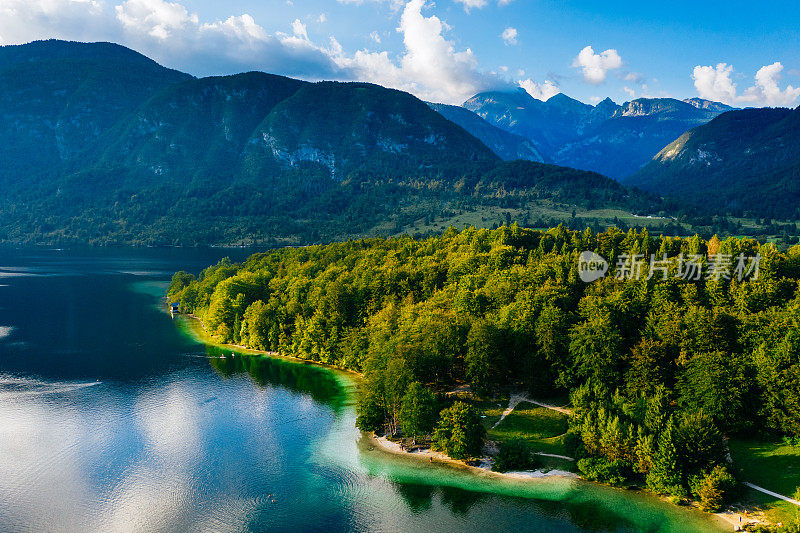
(491, 409)
(541, 428)
(774, 466)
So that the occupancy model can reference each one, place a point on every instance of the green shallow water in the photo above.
(112, 418)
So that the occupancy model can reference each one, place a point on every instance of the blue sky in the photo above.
(745, 54)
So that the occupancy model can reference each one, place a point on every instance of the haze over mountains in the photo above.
(615, 140)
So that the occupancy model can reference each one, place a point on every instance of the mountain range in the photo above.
(99, 144)
(614, 140)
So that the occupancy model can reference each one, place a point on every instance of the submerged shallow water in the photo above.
(113, 419)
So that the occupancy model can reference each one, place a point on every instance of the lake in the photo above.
(113, 418)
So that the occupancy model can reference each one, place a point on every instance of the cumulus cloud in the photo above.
(540, 91)
(509, 36)
(595, 67)
(716, 83)
(430, 67)
(767, 87)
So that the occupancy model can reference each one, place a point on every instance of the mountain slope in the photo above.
(743, 161)
(606, 138)
(505, 145)
(360, 127)
(195, 131)
(58, 97)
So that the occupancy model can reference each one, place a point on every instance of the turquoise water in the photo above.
(113, 419)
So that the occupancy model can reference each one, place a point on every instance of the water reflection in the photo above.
(320, 384)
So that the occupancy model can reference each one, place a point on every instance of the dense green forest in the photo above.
(659, 370)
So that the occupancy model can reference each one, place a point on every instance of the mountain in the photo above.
(607, 138)
(101, 145)
(251, 128)
(505, 145)
(58, 97)
(619, 145)
(745, 161)
(547, 124)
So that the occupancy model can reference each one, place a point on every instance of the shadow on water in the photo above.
(319, 383)
(459, 501)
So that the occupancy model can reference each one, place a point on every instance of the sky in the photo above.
(740, 53)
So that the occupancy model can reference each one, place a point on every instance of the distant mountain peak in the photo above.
(615, 140)
(563, 101)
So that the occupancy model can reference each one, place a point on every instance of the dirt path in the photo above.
(555, 455)
(515, 400)
(518, 398)
(564, 410)
(773, 494)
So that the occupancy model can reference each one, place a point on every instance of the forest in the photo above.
(660, 370)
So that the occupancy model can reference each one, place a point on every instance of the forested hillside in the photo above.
(743, 162)
(658, 369)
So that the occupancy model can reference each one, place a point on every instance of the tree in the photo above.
(717, 382)
(180, 280)
(417, 412)
(514, 454)
(459, 432)
(650, 366)
(665, 475)
(486, 368)
(597, 347)
(714, 489)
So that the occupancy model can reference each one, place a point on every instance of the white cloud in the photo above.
(509, 36)
(322, 18)
(540, 91)
(375, 36)
(716, 83)
(22, 21)
(767, 84)
(473, 4)
(633, 77)
(157, 18)
(430, 67)
(300, 30)
(595, 67)
(630, 92)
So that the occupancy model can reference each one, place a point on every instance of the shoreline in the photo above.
(432, 456)
(729, 516)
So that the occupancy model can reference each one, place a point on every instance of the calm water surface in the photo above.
(113, 419)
